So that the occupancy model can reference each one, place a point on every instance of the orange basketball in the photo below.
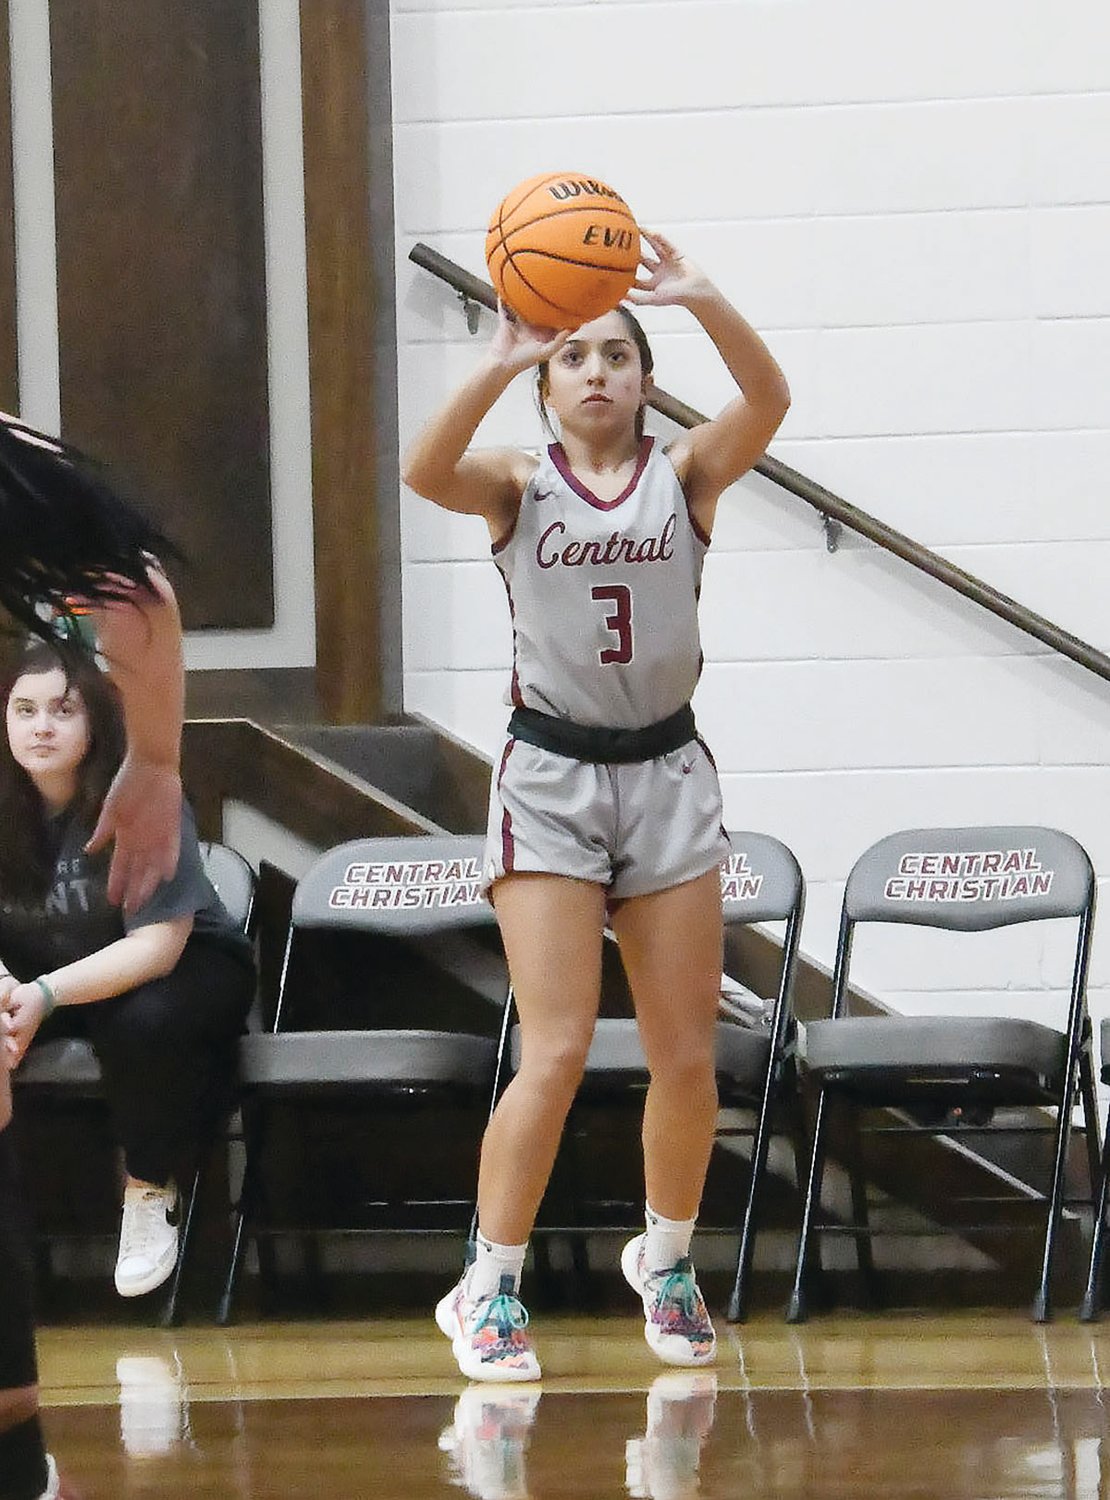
(562, 249)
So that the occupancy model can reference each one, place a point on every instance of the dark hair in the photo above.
(26, 859)
(647, 364)
(64, 528)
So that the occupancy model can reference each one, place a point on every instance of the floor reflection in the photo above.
(684, 1438)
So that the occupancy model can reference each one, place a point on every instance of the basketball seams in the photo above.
(522, 192)
(567, 260)
(510, 264)
(574, 207)
(581, 280)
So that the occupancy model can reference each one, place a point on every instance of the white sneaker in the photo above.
(676, 1321)
(664, 1463)
(53, 1488)
(147, 1238)
(487, 1440)
(489, 1335)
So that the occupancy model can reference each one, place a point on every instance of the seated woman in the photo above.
(161, 992)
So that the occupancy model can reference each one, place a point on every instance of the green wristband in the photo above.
(50, 999)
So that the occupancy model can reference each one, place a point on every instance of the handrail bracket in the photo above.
(472, 311)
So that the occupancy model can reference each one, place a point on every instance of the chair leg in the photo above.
(171, 1311)
(865, 1256)
(737, 1310)
(1091, 1305)
(1090, 1119)
(1042, 1305)
(248, 1196)
(796, 1310)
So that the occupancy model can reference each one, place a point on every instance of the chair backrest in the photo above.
(233, 879)
(970, 879)
(401, 886)
(761, 881)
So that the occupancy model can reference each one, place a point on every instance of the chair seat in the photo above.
(890, 1051)
(742, 1054)
(313, 1061)
(69, 1063)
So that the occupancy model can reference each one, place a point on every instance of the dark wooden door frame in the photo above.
(348, 125)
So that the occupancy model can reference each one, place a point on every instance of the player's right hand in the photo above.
(518, 345)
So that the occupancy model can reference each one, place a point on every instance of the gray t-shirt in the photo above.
(77, 919)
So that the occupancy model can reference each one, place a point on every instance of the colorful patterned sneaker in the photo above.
(676, 1322)
(487, 1440)
(664, 1463)
(489, 1336)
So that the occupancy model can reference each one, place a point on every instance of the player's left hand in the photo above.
(20, 1018)
(669, 279)
(142, 813)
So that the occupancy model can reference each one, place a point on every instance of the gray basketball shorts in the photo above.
(633, 828)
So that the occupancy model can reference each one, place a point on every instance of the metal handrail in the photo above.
(472, 289)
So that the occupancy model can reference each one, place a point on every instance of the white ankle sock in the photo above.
(492, 1262)
(667, 1241)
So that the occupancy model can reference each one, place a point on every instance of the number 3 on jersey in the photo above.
(619, 621)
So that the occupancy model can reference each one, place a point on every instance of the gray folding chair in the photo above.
(1091, 1306)
(941, 1070)
(65, 1074)
(420, 891)
(760, 882)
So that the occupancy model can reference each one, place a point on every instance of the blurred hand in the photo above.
(142, 813)
(518, 345)
(21, 1017)
(671, 279)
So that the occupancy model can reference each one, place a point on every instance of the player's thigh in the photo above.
(671, 946)
(552, 927)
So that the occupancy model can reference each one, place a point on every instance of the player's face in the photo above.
(48, 731)
(596, 381)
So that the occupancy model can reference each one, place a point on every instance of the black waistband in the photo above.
(589, 742)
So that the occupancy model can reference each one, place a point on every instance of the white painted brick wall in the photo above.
(912, 203)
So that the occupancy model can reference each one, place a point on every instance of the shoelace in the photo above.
(143, 1215)
(678, 1300)
(507, 1316)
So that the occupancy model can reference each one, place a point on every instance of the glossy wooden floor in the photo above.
(848, 1407)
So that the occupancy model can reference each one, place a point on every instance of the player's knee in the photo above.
(690, 1067)
(555, 1068)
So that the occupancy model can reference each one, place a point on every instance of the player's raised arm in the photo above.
(710, 457)
(438, 465)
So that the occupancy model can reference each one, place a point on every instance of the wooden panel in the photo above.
(343, 287)
(318, 802)
(9, 359)
(161, 277)
(268, 695)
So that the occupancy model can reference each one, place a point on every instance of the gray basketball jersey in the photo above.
(604, 595)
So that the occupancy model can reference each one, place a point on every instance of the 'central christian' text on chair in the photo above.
(359, 1051)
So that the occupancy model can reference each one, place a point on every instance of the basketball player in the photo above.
(64, 533)
(604, 800)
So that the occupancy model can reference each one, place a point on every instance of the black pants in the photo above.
(167, 1051)
(17, 1339)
